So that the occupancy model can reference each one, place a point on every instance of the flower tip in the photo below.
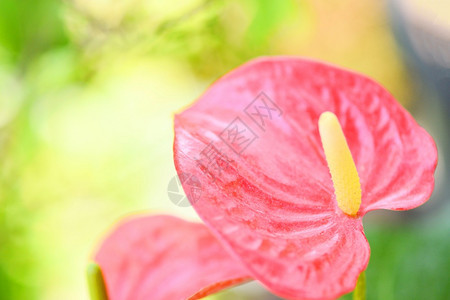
(96, 282)
(344, 175)
(327, 116)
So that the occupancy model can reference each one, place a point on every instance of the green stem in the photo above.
(96, 283)
(360, 290)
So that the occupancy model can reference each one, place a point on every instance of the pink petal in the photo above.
(272, 199)
(163, 257)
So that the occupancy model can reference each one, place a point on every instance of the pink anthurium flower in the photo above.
(163, 257)
(290, 155)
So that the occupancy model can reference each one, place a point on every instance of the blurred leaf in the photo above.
(28, 28)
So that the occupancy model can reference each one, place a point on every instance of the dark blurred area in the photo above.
(87, 94)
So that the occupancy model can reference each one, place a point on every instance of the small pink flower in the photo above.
(163, 257)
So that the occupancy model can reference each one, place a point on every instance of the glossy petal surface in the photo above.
(163, 257)
(252, 140)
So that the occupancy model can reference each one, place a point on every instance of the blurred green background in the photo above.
(88, 90)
